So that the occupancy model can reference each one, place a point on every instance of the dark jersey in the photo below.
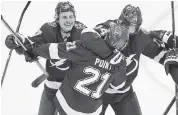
(141, 43)
(50, 33)
(88, 76)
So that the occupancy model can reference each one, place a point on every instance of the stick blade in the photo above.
(39, 80)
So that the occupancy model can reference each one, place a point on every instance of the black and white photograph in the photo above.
(89, 57)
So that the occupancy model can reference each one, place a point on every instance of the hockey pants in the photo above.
(126, 106)
(47, 106)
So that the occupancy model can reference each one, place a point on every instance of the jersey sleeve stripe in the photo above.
(52, 84)
(117, 87)
(53, 51)
(113, 91)
(31, 42)
(171, 58)
(89, 30)
(166, 37)
(159, 56)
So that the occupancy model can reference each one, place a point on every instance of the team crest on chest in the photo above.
(58, 64)
(132, 64)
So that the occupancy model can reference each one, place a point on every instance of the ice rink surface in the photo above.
(154, 89)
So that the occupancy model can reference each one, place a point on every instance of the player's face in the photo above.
(66, 21)
(120, 44)
(121, 37)
(132, 29)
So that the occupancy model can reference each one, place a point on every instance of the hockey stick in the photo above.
(10, 52)
(173, 23)
(174, 40)
(45, 75)
(175, 98)
(38, 80)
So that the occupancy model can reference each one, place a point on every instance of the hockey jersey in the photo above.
(87, 79)
(152, 44)
(50, 33)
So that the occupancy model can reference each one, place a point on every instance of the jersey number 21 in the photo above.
(95, 76)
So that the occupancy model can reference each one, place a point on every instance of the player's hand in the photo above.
(30, 56)
(171, 59)
(10, 42)
(159, 34)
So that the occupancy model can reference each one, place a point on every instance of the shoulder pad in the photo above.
(109, 23)
(38, 33)
(92, 41)
(52, 24)
(79, 25)
(89, 33)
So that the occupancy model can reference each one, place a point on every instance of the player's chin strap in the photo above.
(175, 98)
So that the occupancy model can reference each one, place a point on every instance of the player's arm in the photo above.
(46, 34)
(96, 43)
(38, 38)
(164, 36)
(64, 50)
(157, 44)
(153, 48)
(156, 50)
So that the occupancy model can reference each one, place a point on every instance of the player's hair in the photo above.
(63, 7)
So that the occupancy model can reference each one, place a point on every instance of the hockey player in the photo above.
(64, 28)
(154, 45)
(89, 75)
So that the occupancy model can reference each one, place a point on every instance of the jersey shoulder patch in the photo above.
(71, 45)
(79, 25)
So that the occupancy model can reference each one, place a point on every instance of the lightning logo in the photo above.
(58, 63)
(129, 62)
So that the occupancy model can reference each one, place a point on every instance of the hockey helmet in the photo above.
(131, 15)
(63, 7)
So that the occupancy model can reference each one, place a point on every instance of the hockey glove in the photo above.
(164, 36)
(171, 60)
(30, 54)
(10, 42)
